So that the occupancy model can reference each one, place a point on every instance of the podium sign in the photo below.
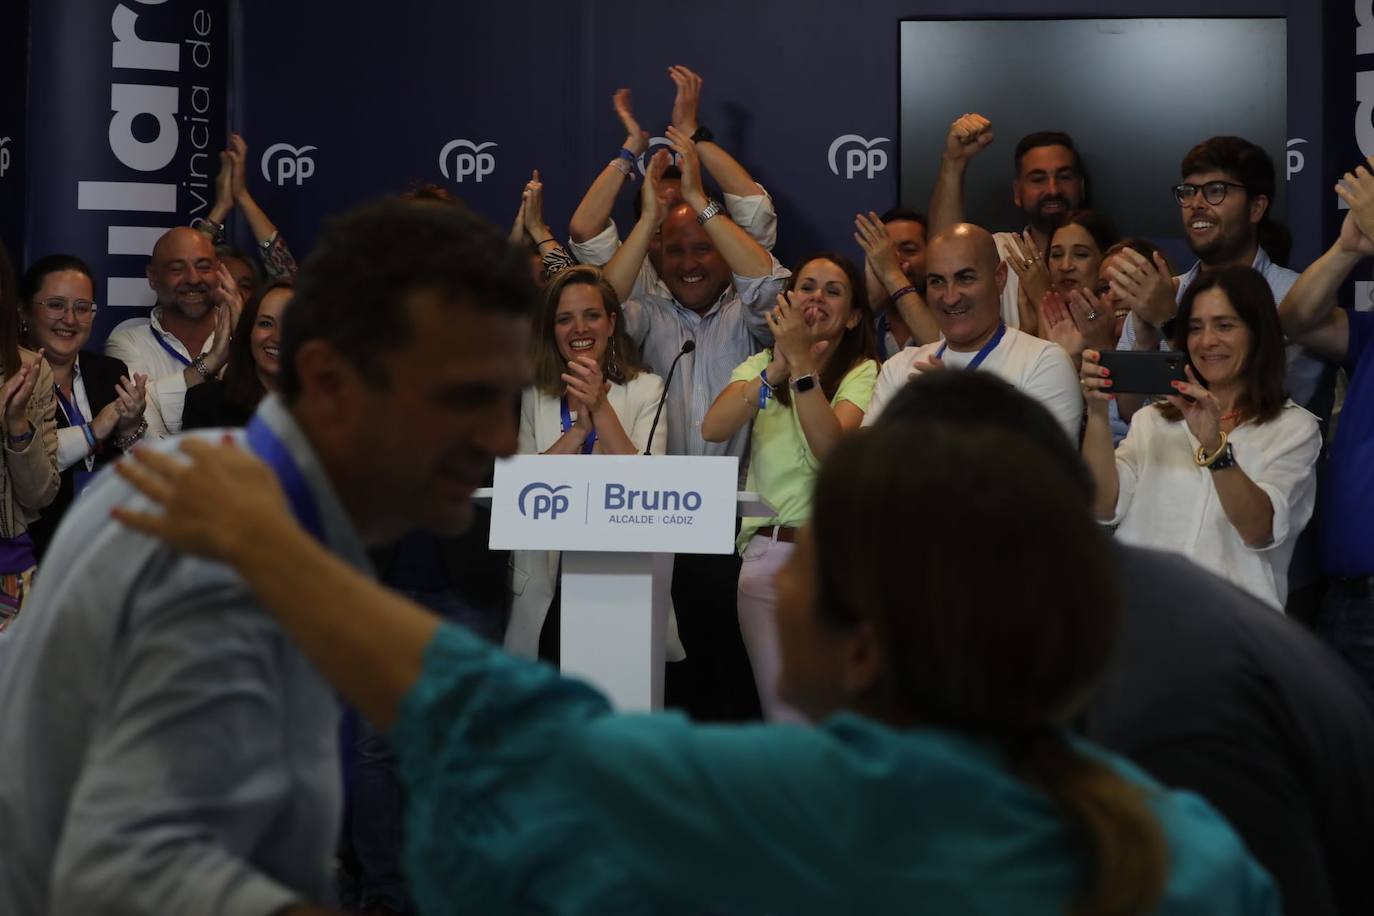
(615, 503)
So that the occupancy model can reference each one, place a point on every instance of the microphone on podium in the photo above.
(687, 347)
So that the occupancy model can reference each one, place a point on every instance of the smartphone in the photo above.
(1144, 371)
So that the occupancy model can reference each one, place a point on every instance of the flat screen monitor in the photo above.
(1135, 95)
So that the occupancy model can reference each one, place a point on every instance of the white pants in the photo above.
(764, 556)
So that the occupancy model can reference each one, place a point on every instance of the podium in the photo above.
(618, 520)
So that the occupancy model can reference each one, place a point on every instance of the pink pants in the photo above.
(764, 556)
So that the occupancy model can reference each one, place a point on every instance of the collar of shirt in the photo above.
(155, 321)
(1260, 263)
(340, 535)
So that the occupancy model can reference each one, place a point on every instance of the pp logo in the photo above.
(4, 156)
(291, 163)
(1296, 160)
(473, 162)
(656, 144)
(544, 501)
(860, 157)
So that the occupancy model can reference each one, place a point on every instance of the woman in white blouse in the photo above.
(1225, 471)
(591, 395)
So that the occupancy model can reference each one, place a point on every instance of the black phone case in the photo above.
(1144, 371)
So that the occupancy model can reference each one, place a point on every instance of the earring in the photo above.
(612, 360)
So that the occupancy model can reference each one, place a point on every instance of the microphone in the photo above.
(688, 346)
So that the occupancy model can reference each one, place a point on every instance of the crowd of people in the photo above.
(1013, 639)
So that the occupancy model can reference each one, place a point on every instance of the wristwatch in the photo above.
(1225, 458)
(713, 208)
(804, 383)
(199, 365)
(703, 134)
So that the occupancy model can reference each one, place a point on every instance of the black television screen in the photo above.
(1135, 94)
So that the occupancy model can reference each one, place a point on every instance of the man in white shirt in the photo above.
(964, 281)
(593, 236)
(185, 340)
(1049, 183)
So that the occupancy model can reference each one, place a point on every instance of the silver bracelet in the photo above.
(124, 443)
(199, 365)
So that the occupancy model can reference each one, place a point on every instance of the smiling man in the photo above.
(166, 748)
(185, 340)
(964, 282)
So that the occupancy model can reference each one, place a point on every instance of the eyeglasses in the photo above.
(1214, 192)
(83, 309)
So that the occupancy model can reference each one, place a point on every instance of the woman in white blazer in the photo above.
(591, 395)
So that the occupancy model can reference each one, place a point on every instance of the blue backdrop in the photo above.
(353, 100)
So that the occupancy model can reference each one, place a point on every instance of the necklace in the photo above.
(1229, 417)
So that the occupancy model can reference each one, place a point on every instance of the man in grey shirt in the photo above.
(166, 749)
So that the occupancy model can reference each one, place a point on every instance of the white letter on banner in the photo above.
(133, 53)
(129, 101)
(1364, 33)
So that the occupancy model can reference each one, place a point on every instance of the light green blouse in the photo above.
(782, 468)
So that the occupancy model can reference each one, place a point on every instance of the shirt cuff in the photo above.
(600, 248)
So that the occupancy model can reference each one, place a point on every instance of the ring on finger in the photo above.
(1092, 313)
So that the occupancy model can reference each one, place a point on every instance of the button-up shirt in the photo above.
(726, 334)
(139, 343)
(165, 747)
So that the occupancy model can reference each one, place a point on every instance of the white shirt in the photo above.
(1039, 368)
(72, 445)
(1166, 501)
(136, 343)
(754, 214)
(1011, 292)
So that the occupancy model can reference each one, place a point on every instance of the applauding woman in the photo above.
(1225, 471)
(29, 480)
(813, 386)
(590, 396)
(251, 372)
(99, 406)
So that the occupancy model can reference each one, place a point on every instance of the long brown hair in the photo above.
(1263, 393)
(9, 316)
(619, 363)
(1009, 657)
(857, 343)
(242, 387)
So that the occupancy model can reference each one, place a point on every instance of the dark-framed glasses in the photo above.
(56, 307)
(1214, 192)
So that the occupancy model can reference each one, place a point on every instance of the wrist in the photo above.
(896, 281)
(635, 145)
(219, 213)
(950, 166)
(696, 200)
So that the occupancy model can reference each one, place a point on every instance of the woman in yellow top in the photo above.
(803, 394)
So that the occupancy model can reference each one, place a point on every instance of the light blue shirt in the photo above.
(164, 748)
(526, 794)
(1308, 379)
(726, 334)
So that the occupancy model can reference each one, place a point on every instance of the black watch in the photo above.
(803, 383)
(703, 134)
(1227, 459)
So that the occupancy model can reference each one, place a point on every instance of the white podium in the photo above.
(618, 521)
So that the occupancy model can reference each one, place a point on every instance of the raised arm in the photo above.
(720, 165)
(746, 257)
(31, 433)
(968, 136)
(593, 213)
(552, 256)
(623, 267)
(272, 250)
(804, 353)
(1098, 452)
(739, 402)
(1308, 313)
(882, 256)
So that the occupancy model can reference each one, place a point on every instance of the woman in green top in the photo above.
(803, 394)
(940, 780)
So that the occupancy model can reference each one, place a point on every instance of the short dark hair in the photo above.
(904, 215)
(1045, 138)
(979, 398)
(1266, 363)
(1251, 166)
(355, 288)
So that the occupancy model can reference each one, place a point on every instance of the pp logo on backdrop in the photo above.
(542, 500)
(290, 163)
(4, 156)
(859, 155)
(1296, 160)
(656, 144)
(469, 162)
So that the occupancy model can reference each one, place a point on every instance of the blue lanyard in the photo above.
(567, 425)
(983, 353)
(70, 409)
(884, 326)
(270, 449)
(168, 347)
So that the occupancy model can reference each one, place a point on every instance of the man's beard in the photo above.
(1049, 223)
(1226, 248)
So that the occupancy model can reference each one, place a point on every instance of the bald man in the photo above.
(185, 341)
(965, 277)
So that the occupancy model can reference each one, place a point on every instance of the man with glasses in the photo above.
(185, 341)
(1225, 201)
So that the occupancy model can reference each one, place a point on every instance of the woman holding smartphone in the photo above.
(1225, 470)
